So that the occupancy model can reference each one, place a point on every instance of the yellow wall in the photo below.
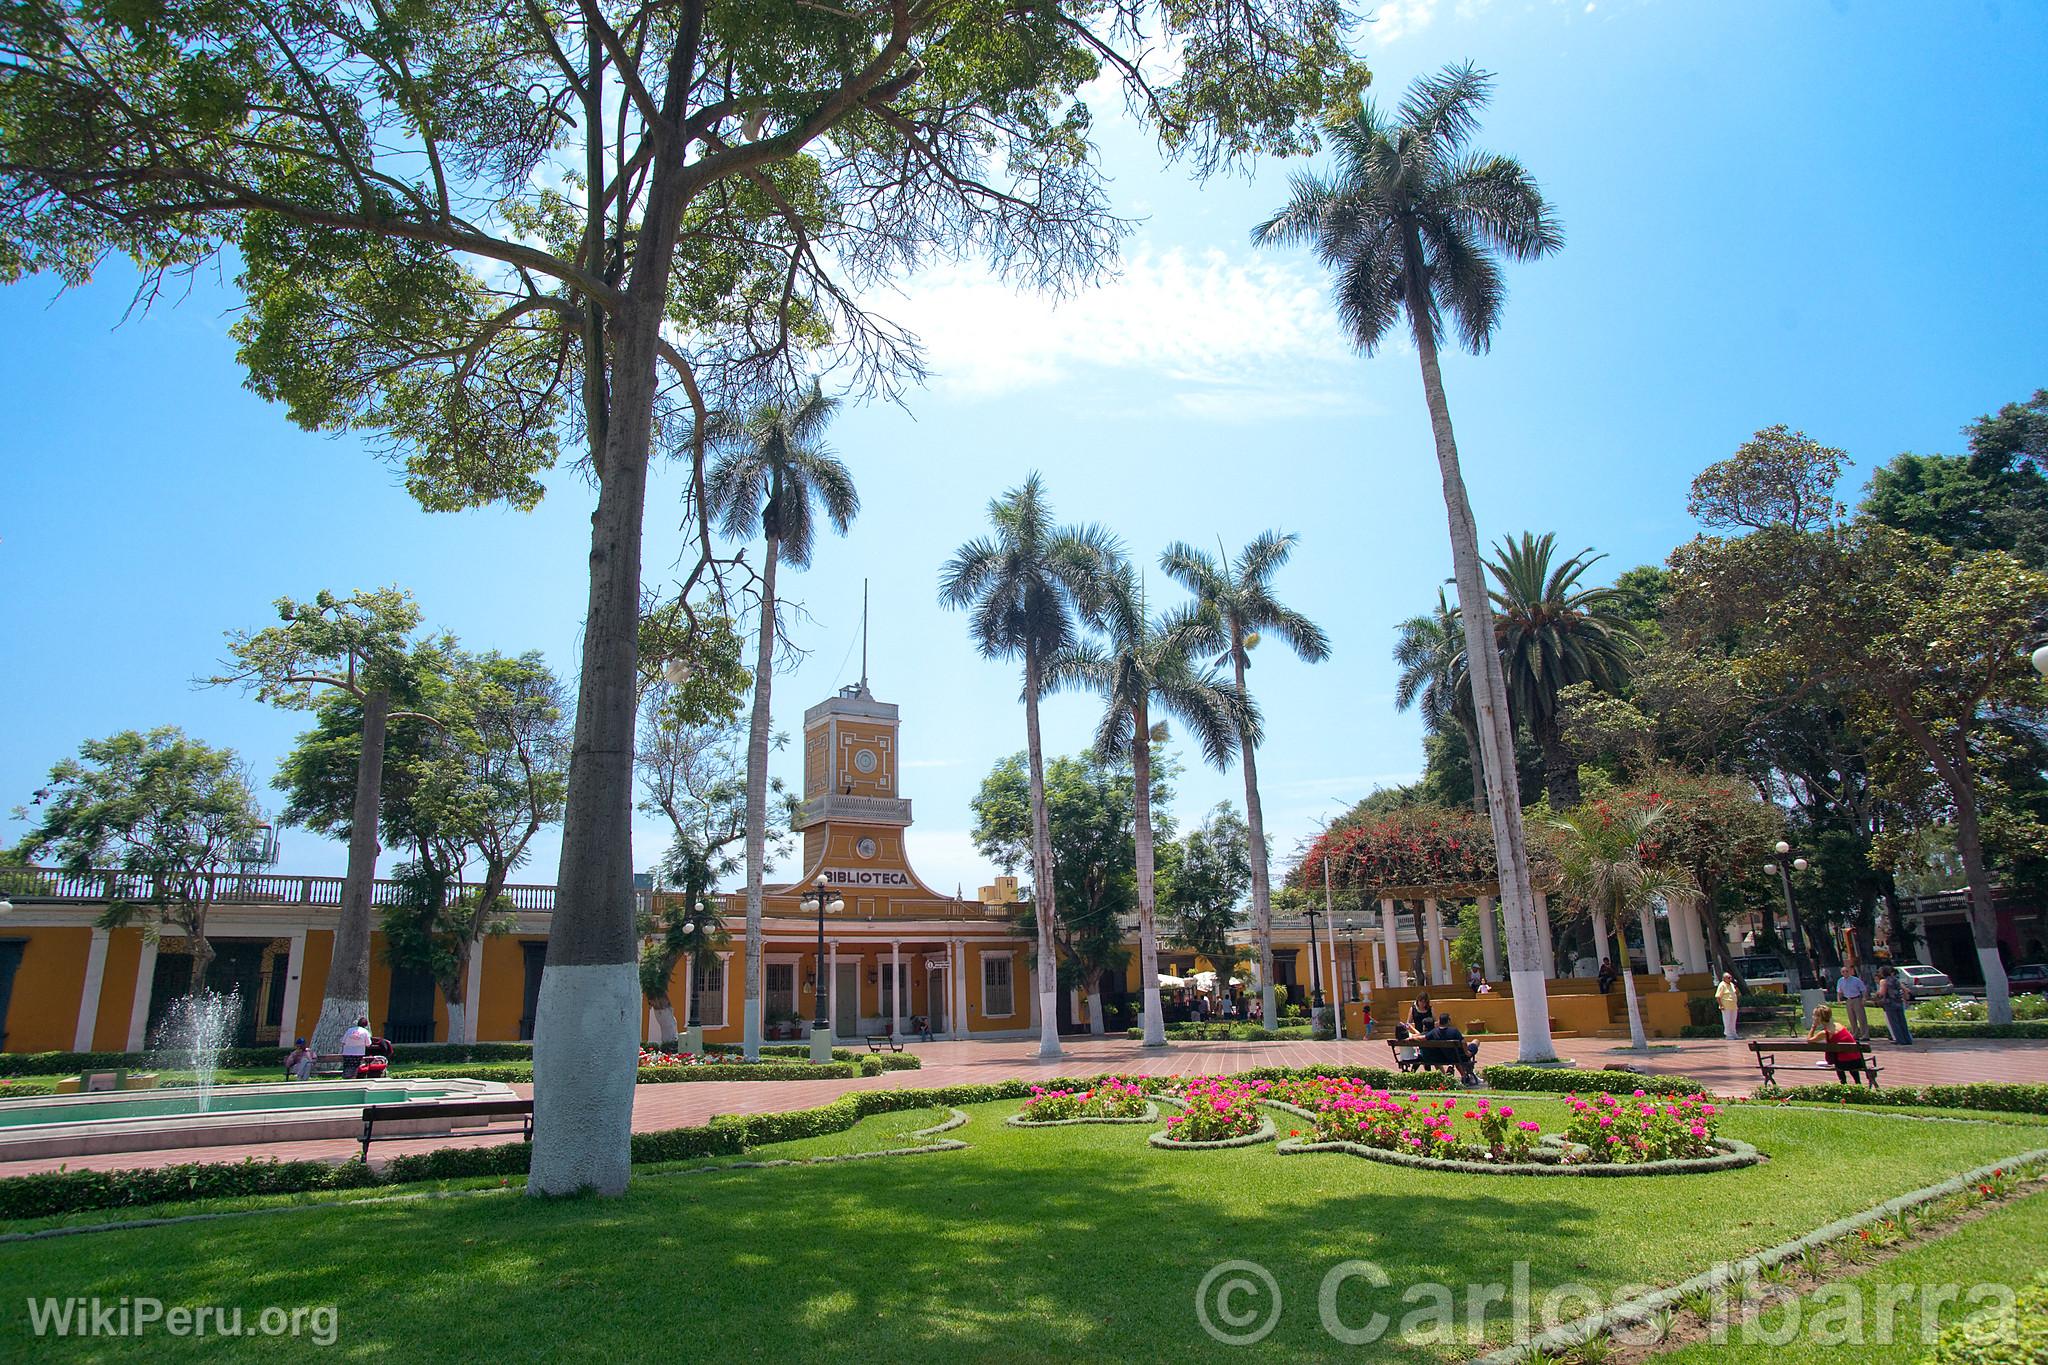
(117, 990)
(313, 980)
(42, 1015)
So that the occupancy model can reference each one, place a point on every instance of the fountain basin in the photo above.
(281, 1112)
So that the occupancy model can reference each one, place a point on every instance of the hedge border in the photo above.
(1566, 1336)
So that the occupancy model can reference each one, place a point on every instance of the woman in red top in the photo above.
(1847, 1059)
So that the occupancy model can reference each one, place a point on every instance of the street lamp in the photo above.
(1315, 977)
(822, 891)
(1791, 912)
(1351, 940)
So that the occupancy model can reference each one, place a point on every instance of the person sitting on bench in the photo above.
(1847, 1059)
(1447, 1032)
(1406, 1058)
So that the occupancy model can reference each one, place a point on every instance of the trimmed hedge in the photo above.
(25, 1089)
(1985, 1096)
(1229, 1033)
(1561, 1079)
(1996, 1338)
(1378, 1077)
(246, 1058)
(2020, 1028)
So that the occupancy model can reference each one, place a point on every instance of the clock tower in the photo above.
(852, 818)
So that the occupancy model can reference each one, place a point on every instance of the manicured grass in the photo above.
(1069, 1242)
(2006, 1247)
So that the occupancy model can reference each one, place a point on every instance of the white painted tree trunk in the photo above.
(1042, 900)
(346, 996)
(1637, 1040)
(1255, 828)
(457, 1014)
(1489, 696)
(665, 1027)
(1095, 1021)
(758, 736)
(1148, 928)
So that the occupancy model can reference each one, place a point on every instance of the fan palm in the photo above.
(772, 473)
(1600, 856)
(1553, 633)
(1031, 589)
(1430, 652)
(1413, 223)
(1237, 603)
(1152, 662)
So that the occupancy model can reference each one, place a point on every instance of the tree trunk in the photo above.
(1560, 772)
(1637, 1040)
(586, 1027)
(664, 1022)
(202, 948)
(1255, 827)
(1983, 913)
(1489, 695)
(1148, 932)
(1478, 765)
(347, 995)
(758, 736)
(455, 991)
(1042, 906)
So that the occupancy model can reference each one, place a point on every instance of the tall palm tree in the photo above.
(1152, 662)
(1412, 223)
(1237, 603)
(1430, 652)
(1553, 633)
(1600, 857)
(773, 472)
(1032, 588)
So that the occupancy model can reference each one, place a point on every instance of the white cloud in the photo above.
(1213, 335)
(1394, 19)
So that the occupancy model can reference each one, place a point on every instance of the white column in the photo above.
(294, 972)
(1338, 995)
(1489, 938)
(89, 997)
(1393, 939)
(473, 994)
(1653, 960)
(896, 985)
(956, 972)
(138, 1013)
(1439, 963)
(832, 991)
(1546, 941)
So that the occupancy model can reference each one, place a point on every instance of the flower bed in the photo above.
(1641, 1128)
(1113, 1099)
(1217, 1111)
(1347, 1111)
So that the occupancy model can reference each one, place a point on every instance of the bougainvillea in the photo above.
(1417, 846)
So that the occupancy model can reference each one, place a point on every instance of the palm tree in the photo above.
(1600, 857)
(1553, 633)
(1032, 587)
(771, 469)
(1430, 653)
(1414, 224)
(1237, 603)
(1152, 661)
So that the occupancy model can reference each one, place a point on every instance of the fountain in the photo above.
(195, 1031)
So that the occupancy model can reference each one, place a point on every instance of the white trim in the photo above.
(138, 1011)
(294, 969)
(956, 978)
(899, 986)
(89, 996)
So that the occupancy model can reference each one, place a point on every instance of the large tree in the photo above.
(485, 231)
(773, 474)
(1554, 633)
(1414, 223)
(1430, 652)
(168, 811)
(361, 647)
(1031, 589)
(1152, 662)
(1237, 606)
(1204, 897)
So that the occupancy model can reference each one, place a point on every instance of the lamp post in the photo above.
(1315, 977)
(1351, 943)
(1799, 964)
(821, 1028)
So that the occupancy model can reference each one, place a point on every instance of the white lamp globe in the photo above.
(2040, 657)
(1784, 847)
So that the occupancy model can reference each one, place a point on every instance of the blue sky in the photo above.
(1824, 215)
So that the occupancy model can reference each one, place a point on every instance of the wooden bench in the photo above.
(488, 1110)
(1442, 1052)
(883, 1042)
(1767, 1062)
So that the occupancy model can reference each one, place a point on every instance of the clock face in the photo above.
(864, 760)
(865, 848)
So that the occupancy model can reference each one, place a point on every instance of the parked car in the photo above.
(1762, 969)
(2028, 977)
(1924, 980)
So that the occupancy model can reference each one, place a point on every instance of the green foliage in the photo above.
(1945, 498)
(1998, 1337)
(1570, 1080)
(1984, 1096)
(1204, 896)
(1229, 1033)
(358, 645)
(1777, 478)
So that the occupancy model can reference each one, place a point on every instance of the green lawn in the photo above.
(2008, 1247)
(1067, 1242)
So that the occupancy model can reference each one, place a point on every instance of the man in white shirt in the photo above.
(354, 1044)
(1850, 990)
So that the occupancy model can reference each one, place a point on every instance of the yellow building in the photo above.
(897, 949)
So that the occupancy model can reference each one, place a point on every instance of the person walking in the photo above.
(1729, 997)
(1850, 990)
(1893, 995)
(354, 1044)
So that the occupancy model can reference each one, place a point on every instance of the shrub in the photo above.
(1217, 1108)
(1347, 1112)
(1985, 1096)
(2023, 1028)
(1996, 1338)
(1111, 1098)
(1963, 1009)
(1642, 1128)
(1564, 1080)
(21, 1089)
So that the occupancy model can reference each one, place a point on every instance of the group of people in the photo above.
(1851, 991)
(1228, 1009)
(1426, 1024)
(362, 1054)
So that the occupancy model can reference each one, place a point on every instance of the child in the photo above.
(1846, 1059)
(1406, 1058)
(1367, 1008)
